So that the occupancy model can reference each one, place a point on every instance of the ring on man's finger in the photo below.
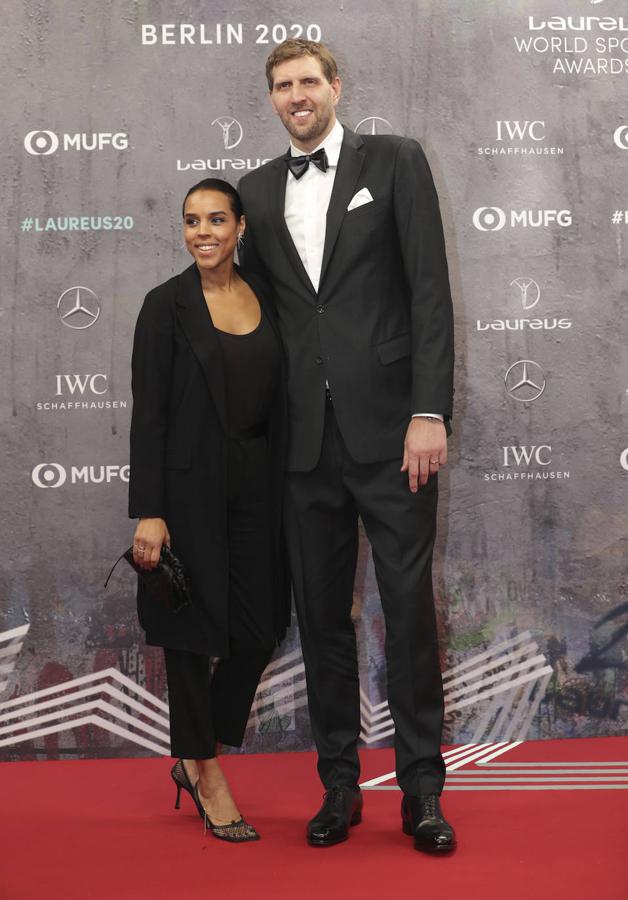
(434, 462)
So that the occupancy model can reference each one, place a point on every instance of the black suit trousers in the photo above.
(211, 704)
(323, 506)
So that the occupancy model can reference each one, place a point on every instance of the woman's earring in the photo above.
(240, 241)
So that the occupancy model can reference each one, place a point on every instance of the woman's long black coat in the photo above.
(179, 460)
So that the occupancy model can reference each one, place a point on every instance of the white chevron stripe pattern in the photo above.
(506, 674)
(107, 698)
(281, 690)
(475, 771)
(10, 646)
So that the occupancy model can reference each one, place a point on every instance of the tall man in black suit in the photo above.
(347, 230)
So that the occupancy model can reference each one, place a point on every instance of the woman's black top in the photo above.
(251, 372)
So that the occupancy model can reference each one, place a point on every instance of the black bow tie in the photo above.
(299, 165)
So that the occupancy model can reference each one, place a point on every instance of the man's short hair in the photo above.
(297, 47)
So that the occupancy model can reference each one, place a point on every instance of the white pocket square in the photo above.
(363, 196)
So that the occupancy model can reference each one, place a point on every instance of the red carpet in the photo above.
(108, 829)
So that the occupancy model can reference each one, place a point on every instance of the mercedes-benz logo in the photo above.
(620, 137)
(374, 125)
(78, 307)
(231, 131)
(529, 291)
(49, 475)
(41, 143)
(525, 381)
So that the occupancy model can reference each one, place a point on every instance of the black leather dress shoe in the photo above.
(422, 817)
(342, 807)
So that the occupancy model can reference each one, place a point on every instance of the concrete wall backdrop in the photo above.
(110, 113)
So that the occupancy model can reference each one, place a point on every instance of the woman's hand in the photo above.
(150, 534)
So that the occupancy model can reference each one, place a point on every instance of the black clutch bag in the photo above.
(165, 584)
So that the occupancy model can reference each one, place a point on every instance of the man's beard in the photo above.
(314, 129)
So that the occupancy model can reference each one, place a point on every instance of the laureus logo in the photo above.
(231, 131)
(527, 291)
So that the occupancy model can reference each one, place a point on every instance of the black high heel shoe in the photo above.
(182, 780)
(237, 832)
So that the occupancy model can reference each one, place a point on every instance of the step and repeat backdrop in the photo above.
(111, 112)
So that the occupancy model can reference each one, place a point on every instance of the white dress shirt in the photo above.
(307, 200)
(305, 210)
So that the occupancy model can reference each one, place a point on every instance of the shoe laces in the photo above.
(430, 807)
(334, 796)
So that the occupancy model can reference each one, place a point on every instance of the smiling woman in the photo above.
(213, 224)
(198, 213)
(207, 458)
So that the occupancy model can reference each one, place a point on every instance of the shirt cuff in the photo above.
(438, 416)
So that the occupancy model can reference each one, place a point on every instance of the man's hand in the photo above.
(150, 534)
(424, 450)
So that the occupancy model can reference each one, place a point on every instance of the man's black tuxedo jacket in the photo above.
(380, 328)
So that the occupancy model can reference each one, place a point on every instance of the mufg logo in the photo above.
(493, 218)
(45, 143)
(54, 475)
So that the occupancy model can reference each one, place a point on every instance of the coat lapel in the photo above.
(278, 194)
(350, 165)
(199, 329)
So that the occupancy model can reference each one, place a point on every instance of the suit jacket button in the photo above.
(319, 360)
(320, 309)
